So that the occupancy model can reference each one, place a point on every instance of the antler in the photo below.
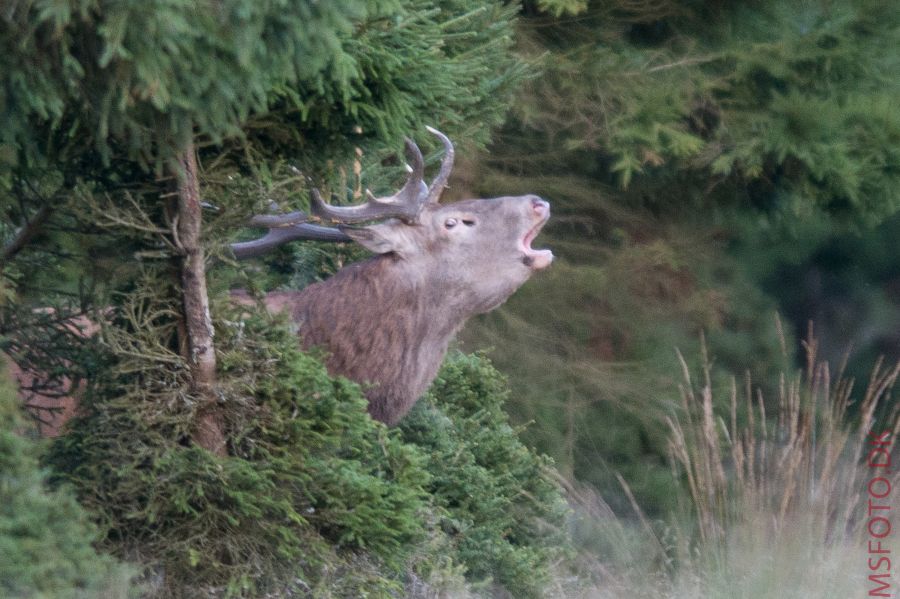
(406, 205)
(281, 235)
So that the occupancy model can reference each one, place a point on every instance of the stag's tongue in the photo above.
(537, 259)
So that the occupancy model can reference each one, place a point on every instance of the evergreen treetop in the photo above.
(779, 106)
(136, 81)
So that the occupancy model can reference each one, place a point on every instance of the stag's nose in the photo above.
(541, 207)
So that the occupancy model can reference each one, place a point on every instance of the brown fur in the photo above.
(52, 410)
(347, 314)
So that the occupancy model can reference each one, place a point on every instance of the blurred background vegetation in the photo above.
(710, 166)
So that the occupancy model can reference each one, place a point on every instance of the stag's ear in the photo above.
(392, 236)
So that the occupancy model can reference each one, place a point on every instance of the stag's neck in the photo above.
(381, 323)
(381, 292)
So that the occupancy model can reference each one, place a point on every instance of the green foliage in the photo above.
(504, 512)
(311, 473)
(447, 64)
(778, 106)
(362, 485)
(146, 74)
(845, 284)
(557, 8)
(137, 81)
(316, 497)
(45, 536)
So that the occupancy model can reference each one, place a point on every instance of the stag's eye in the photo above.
(450, 223)
(468, 222)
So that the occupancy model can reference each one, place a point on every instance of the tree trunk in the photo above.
(209, 428)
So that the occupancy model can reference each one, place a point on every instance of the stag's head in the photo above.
(480, 248)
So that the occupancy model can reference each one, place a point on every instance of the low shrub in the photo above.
(45, 536)
(502, 509)
(315, 499)
(310, 483)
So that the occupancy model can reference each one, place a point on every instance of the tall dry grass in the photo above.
(776, 499)
(807, 457)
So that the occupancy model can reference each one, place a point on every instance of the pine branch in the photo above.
(25, 234)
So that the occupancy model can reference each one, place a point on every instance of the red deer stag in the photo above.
(386, 322)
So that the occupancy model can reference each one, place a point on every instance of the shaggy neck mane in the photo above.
(378, 326)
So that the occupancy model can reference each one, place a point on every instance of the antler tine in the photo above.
(440, 182)
(406, 204)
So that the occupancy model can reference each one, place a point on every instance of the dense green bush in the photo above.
(45, 536)
(503, 512)
(316, 498)
(311, 474)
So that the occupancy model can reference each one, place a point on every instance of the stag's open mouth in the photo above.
(536, 259)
